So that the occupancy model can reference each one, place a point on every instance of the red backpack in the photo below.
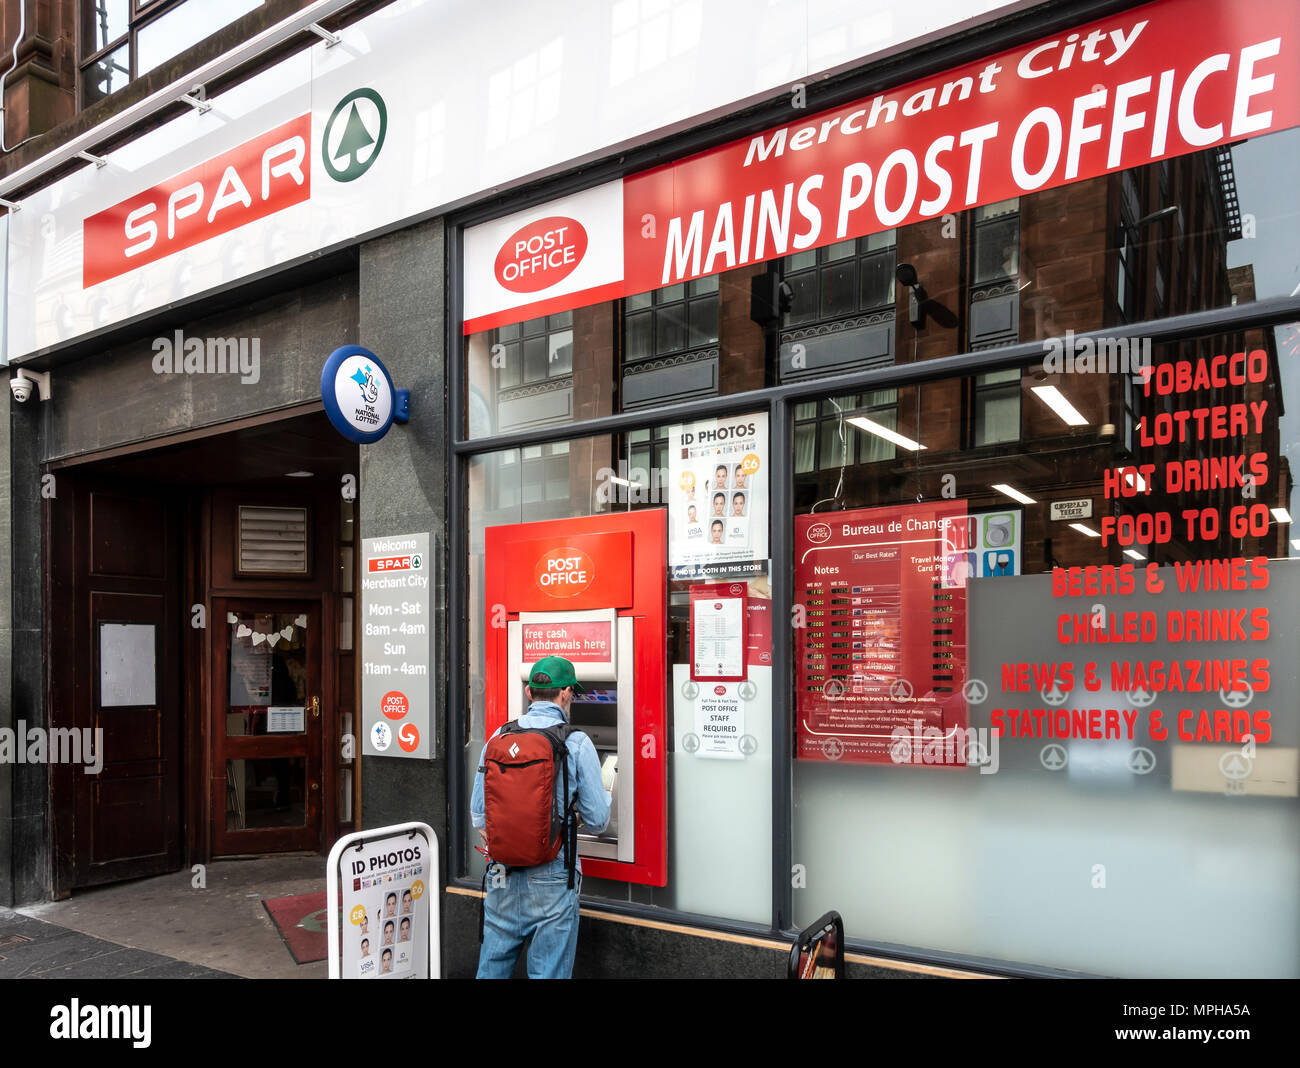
(525, 826)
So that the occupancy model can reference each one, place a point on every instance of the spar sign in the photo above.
(1162, 80)
(258, 178)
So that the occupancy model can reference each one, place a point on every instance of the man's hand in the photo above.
(482, 835)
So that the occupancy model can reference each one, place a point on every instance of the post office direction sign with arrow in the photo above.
(360, 400)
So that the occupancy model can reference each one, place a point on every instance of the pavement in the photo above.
(166, 927)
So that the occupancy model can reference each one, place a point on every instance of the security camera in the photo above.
(906, 274)
(24, 383)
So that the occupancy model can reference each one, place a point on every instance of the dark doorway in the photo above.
(163, 564)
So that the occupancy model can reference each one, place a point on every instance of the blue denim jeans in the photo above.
(533, 901)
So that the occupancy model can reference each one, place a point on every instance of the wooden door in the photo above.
(266, 725)
(113, 641)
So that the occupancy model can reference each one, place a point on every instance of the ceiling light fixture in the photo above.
(1055, 399)
(1014, 493)
(872, 427)
(1083, 528)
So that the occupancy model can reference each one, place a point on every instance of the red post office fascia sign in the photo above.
(1140, 85)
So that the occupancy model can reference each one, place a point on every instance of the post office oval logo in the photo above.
(564, 572)
(819, 532)
(541, 254)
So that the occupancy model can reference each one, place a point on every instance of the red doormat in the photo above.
(302, 922)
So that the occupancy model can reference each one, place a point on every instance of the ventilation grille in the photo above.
(273, 540)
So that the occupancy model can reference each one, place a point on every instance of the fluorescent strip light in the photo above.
(1281, 515)
(620, 481)
(1133, 554)
(1055, 399)
(1295, 543)
(1083, 528)
(863, 423)
(1014, 493)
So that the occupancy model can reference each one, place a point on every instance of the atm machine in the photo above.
(592, 590)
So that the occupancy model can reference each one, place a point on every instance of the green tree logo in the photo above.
(348, 155)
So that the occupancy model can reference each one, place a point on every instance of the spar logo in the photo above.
(262, 176)
(395, 563)
(565, 572)
(819, 533)
(354, 134)
(541, 254)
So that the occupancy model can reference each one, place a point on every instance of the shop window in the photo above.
(124, 39)
(719, 827)
(997, 407)
(841, 313)
(932, 626)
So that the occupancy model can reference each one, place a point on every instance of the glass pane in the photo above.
(875, 242)
(345, 568)
(704, 322)
(997, 250)
(838, 298)
(510, 365)
(560, 321)
(807, 410)
(836, 443)
(266, 792)
(535, 354)
(704, 285)
(841, 251)
(268, 674)
(509, 333)
(669, 294)
(803, 303)
(877, 280)
(997, 416)
(800, 261)
(345, 624)
(805, 442)
(670, 329)
(872, 447)
(1011, 374)
(347, 520)
(102, 23)
(561, 353)
(184, 26)
(106, 75)
(637, 331)
(638, 302)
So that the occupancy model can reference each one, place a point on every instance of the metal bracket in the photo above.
(98, 161)
(12, 205)
(197, 98)
(330, 39)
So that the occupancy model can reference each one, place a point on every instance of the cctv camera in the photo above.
(25, 383)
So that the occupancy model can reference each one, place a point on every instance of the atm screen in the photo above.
(596, 708)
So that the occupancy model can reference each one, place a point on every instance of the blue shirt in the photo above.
(584, 771)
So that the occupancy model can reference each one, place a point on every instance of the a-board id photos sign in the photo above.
(396, 636)
(387, 885)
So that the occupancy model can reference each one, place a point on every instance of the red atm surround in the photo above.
(623, 559)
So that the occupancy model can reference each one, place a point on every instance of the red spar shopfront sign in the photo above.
(1161, 80)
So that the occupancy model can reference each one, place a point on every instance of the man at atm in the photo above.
(538, 900)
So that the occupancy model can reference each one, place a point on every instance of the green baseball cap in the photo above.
(553, 672)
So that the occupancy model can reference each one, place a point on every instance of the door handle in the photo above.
(315, 708)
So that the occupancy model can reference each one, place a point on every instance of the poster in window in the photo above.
(883, 646)
(718, 496)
